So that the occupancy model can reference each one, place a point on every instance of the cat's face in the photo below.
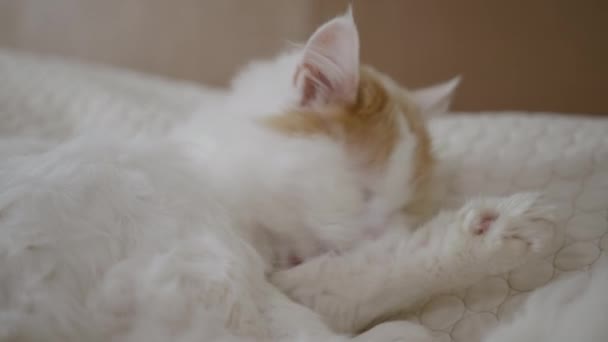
(380, 124)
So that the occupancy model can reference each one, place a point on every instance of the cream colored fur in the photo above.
(186, 234)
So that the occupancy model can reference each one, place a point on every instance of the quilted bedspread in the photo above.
(565, 157)
(488, 153)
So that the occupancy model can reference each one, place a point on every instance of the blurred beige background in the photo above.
(541, 55)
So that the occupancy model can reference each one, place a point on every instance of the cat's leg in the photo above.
(204, 288)
(455, 249)
(290, 321)
(210, 289)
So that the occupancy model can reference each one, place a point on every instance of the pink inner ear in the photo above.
(329, 70)
(310, 84)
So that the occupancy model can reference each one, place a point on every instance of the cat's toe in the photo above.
(529, 219)
(479, 221)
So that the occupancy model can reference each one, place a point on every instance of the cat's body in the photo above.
(197, 236)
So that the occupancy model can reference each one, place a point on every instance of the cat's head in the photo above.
(381, 125)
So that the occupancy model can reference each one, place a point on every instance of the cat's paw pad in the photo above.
(508, 229)
(480, 222)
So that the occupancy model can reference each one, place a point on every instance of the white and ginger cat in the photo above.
(288, 214)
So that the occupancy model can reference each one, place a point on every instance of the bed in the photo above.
(488, 153)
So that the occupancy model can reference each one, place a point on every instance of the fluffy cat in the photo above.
(286, 214)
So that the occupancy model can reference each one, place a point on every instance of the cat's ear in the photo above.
(436, 99)
(328, 73)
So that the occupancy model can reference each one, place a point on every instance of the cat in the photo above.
(301, 208)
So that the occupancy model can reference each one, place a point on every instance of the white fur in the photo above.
(333, 53)
(401, 269)
(109, 237)
(436, 100)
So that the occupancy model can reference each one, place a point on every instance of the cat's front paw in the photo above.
(502, 233)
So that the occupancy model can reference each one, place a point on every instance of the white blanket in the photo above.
(508, 152)
(490, 153)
